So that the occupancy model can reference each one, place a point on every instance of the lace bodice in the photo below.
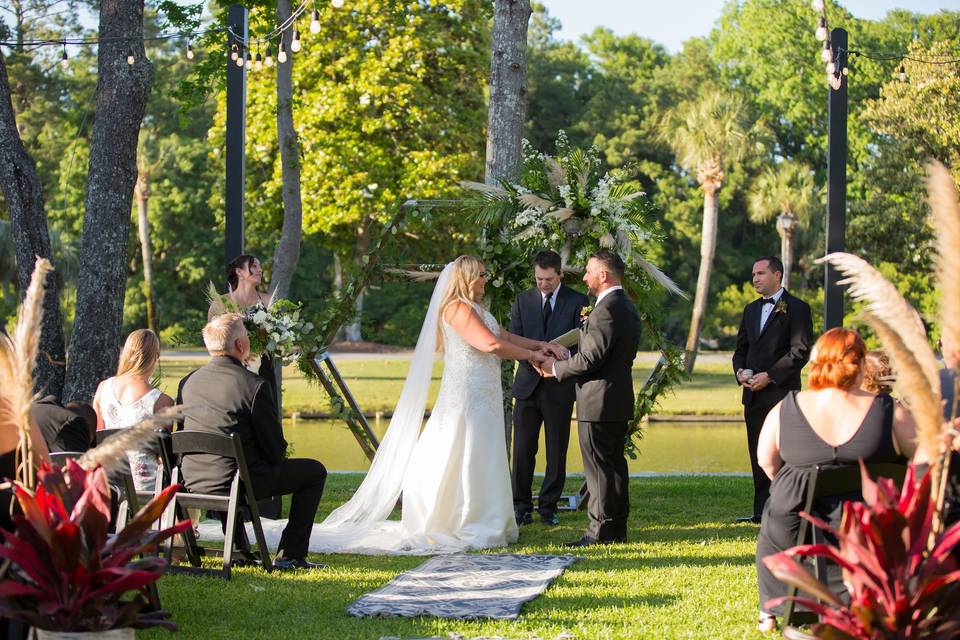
(119, 416)
(468, 373)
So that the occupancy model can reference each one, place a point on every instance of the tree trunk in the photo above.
(508, 89)
(288, 249)
(786, 256)
(353, 331)
(122, 92)
(31, 237)
(708, 247)
(141, 192)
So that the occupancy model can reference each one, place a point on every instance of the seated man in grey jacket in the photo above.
(224, 397)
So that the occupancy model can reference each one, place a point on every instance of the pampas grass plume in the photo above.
(945, 221)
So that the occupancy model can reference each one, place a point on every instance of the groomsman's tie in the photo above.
(547, 310)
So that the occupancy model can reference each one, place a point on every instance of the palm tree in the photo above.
(706, 135)
(788, 192)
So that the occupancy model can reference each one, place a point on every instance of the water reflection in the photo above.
(690, 447)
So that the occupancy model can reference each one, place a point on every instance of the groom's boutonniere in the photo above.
(584, 312)
(781, 307)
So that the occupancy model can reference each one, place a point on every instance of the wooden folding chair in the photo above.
(825, 481)
(239, 505)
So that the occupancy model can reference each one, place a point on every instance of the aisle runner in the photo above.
(464, 586)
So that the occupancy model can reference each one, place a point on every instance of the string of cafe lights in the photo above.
(831, 57)
(237, 45)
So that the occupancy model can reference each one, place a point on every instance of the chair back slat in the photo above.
(60, 458)
(187, 442)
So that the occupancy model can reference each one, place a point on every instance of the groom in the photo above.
(602, 368)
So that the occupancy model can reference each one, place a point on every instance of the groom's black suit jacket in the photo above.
(603, 365)
(526, 319)
(781, 348)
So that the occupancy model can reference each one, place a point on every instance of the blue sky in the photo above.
(671, 22)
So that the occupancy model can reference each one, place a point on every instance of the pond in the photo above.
(674, 447)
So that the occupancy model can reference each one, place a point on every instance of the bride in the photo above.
(454, 476)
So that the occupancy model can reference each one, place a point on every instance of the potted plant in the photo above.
(67, 576)
(902, 582)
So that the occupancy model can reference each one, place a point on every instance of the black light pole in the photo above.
(236, 132)
(836, 180)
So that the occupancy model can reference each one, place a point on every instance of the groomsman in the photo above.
(542, 313)
(773, 345)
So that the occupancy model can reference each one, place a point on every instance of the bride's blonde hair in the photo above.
(466, 272)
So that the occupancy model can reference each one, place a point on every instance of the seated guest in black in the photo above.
(65, 428)
(224, 397)
(835, 423)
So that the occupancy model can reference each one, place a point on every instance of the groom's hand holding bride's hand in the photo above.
(556, 350)
(546, 368)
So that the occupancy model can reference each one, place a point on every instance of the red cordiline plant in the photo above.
(67, 573)
(899, 586)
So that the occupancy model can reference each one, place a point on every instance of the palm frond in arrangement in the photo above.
(886, 303)
(945, 220)
(18, 357)
(112, 454)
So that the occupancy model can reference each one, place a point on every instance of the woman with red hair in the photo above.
(835, 423)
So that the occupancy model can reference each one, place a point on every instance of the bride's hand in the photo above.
(555, 350)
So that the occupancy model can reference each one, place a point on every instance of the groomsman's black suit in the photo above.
(542, 400)
(223, 397)
(781, 348)
(602, 368)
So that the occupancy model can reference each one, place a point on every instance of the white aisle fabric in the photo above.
(454, 477)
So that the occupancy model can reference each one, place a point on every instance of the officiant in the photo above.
(543, 312)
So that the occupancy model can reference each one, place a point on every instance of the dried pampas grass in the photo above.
(414, 276)
(482, 187)
(945, 220)
(18, 357)
(533, 201)
(557, 175)
(886, 304)
(112, 453)
(659, 276)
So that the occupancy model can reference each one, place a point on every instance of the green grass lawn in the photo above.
(687, 572)
(376, 384)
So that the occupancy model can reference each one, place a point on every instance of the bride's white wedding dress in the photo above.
(454, 475)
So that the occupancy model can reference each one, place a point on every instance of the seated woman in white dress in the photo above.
(128, 398)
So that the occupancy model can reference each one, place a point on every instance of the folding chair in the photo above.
(239, 505)
(132, 499)
(825, 481)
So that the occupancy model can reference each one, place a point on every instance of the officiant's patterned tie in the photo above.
(547, 310)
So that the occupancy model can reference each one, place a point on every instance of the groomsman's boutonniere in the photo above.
(781, 307)
(585, 311)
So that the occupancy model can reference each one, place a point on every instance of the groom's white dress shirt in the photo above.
(768, 308)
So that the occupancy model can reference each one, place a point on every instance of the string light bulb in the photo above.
(258, 65)
(315, 21)
(269, 59)
(846, 71)
(295, 45)
(64, 62)
(234, 51)
(249, 61)
(821, 28)
(130, 58)
(831, 68)
(826, 54)
(903, 74)
(189, 52)
(817, 5)
(282, 54)
(337, 4)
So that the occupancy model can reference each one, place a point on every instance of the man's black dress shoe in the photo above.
(550, 519)
(523, 517)
(293, 564)
(754, 519)
(585, 541)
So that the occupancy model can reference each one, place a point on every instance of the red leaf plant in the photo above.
(67, 573)
(899, 586)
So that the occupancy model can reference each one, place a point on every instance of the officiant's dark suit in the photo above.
(224, 397)
(538, 400)
(602, 369)
(775, 342)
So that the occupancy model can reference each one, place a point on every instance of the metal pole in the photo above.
(236, 134)
(836, 181)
